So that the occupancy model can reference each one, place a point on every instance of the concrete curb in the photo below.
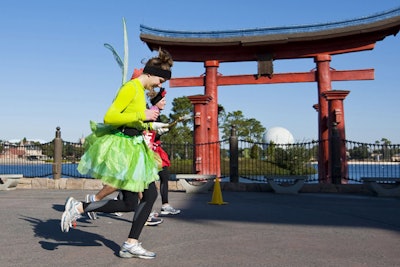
(94, 184)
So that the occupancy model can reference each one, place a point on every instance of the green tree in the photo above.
(360, 152)
(270, 152)
(385, 149)
(221, 114)
(48, 149)
(249, 130)
(180, 135)
(294, 158)
(182, 106)
(255, 151)
(385, 141)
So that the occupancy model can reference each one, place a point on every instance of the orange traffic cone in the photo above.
(217, 195)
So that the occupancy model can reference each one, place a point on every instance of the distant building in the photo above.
(27, 150)
(396, 157)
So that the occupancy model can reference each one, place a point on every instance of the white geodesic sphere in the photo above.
(278, 135)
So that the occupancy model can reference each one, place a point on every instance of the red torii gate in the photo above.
(318, 41)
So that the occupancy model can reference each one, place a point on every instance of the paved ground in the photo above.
(253, 229)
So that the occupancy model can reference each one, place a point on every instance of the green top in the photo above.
(128, 107)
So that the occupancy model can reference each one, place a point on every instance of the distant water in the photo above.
(375, 169)
(41, 170)
(356, 171)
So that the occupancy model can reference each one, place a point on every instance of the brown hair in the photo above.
(152, 93)
(162, 61)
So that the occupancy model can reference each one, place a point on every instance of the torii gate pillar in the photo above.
(211, 89)
(324, 84)
(336, 123)
(201, 156)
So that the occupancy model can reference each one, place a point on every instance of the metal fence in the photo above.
(255, 160)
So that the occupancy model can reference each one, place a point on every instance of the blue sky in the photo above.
(55, 70)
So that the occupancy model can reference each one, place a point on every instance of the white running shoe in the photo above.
(91, 214)
(136, 251)
(153, 220)
(168, 209)
(154, 214)
(118, 214)
(70, 214)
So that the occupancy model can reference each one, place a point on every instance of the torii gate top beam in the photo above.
(289, 42)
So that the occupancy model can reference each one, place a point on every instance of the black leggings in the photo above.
(128, 203)
(164, 177)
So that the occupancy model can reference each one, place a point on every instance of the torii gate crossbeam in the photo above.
(366, 74)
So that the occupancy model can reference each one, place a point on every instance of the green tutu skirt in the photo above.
(121, 161)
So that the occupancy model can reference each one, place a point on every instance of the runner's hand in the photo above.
(151, 114)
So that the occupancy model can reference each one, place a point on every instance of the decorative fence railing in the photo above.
(255, 160)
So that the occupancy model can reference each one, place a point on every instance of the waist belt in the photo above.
(130, 131)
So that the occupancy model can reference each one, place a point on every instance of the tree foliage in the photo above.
(293, 158)
(182, 133)
(246, 129)
(359, 152)
(182, 106)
